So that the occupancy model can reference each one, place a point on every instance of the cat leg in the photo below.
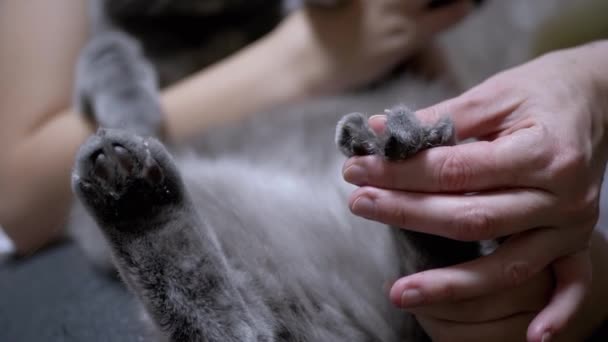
(161, 247)
(116, 86)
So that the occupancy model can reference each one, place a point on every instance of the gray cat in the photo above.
(245, 235)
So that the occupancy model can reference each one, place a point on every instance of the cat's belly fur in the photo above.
(295, 251)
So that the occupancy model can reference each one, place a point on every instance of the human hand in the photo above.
(535, 175)
(501, 316)
(357, 42)
(505, 315)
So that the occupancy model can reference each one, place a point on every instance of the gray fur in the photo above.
(211, 263)
(403, 137)
(116, 86)
(295, 265)
(244, 235)
(213, 250)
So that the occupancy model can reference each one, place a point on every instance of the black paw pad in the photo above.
(121, 176)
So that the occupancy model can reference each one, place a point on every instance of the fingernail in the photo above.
(377, 123)
(546, 337)
(355, 174)
(518, 272)
(411, 297)
(364, 206)
(377, 117)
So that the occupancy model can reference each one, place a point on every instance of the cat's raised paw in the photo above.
(403, 136)
(120, 176)
(116, 85)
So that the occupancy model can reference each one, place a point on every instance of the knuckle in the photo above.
(515, 274)
(400, 216)
(454, 174)
(446, 292)
(473, 223)
(569, 163)
(541, 149)
(583, 207)
(476, 96)
(591, 203)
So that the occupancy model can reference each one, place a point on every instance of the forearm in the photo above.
(35, 181)
(267, 74)
(592, 59)
(39, 41)
(40, 138)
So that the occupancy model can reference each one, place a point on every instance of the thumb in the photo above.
(476, 114)
(454, 109)
(377, 123)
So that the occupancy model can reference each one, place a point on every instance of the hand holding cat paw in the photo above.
(534, 176)
(357, 42)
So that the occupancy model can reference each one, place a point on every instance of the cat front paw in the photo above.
(122, 178)
(404, 135)
(116, 86)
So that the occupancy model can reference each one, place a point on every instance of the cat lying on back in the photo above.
(247, 237)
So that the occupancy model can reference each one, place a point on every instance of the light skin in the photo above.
(506, 314)
(534, 174)
(40, 133)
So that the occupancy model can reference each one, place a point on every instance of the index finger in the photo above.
(516, 160)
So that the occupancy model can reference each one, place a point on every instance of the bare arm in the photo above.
(270, 72)
(40, 42)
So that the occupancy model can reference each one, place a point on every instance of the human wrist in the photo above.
(593, 60)
(582, 67)
(262, 74)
